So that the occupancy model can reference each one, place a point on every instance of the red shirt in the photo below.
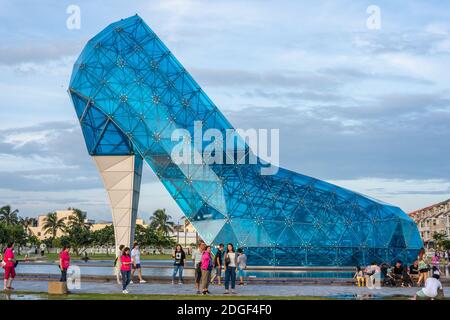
(65, 259)
(9, 254)
(125, 267)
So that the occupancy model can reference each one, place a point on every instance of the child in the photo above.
(359, 276)
(242, 265)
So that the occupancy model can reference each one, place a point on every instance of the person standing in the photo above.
(423, 267)
(10, 262)
(218, 263)
(178, 264)
(118, 263)
(206, 267)
(125, 268)
(230, 260)
(136, 258)
(435, 261)
(242, 265)
(197, 259)
(64, 263)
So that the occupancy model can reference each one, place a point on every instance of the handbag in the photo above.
(227, 260)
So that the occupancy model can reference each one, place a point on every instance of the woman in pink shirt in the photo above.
(125, 269)
(64, 263)
(436, 260)
(206, 267)
(10, 273)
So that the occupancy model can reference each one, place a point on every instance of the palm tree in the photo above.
(7, 216)
(52, 224)
(439, 239)
(27, 223)
(160, 221)
(79, 219)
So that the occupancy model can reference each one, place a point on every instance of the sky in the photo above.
(365, 108)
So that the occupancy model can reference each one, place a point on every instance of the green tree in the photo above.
(52, 224)
(33, 240)
(17, 234)
(139, 235)
(145, 236)
(78, 237)
(160, 221)
(49, 243)
(3, 235)
(79, 219)
(104, 237)
(439, 240)
(8, 216)
(27, 223)
(163, 241)
(446, 244)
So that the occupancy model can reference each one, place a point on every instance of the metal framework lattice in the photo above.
(130, 93)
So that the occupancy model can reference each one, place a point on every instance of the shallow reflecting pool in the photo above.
(163, 268)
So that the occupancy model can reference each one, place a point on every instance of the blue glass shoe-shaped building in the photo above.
(130, 94)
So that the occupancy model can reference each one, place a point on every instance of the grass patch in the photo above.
(26, 295)
(183, 297)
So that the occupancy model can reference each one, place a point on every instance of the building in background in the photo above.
(185, 234)
(39, 231)
(433, 219)
(98, 225)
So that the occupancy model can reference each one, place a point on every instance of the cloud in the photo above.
(390, 108)
(39, 53)
(395, 137)
(413, 41)
(277, 78)
(409, 194)
(46, 156)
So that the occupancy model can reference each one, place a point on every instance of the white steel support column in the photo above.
(121, 177)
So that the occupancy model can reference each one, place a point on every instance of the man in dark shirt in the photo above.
(398, 268)
(218, 263)
(397, 272)
(414, 271)
(414, 268)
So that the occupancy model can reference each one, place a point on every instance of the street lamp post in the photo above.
(184, 229)
(178, 230)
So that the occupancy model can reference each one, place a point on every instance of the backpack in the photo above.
(210, 264)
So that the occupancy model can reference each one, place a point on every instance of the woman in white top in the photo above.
(230, 260)
(118, 264)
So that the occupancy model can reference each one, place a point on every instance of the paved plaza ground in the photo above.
(328, 291)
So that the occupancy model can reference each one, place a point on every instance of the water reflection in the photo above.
(163, 268)
(166, 271)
